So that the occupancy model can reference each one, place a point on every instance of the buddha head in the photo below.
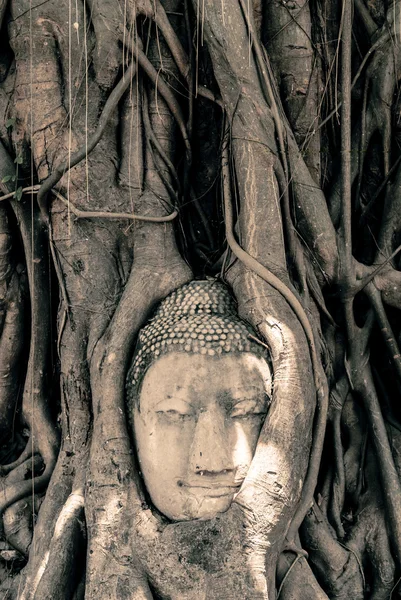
(198, 391)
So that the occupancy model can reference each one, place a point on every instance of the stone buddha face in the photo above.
(196, 423)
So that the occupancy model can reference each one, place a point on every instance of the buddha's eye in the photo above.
(175, 411)
(249, 409)
(174, 415)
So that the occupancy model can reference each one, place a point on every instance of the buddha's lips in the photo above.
(211, 485)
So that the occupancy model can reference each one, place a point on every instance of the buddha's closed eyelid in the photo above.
(173, 416)
(171, 405)
(250, 406)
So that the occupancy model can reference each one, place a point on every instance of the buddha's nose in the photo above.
(210, 449)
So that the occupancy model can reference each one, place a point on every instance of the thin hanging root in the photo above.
(299, 556)
(169, 98)
(362, 147)
(192, 70)
(364, 282)
(159, 16)
(193, 91)
(109, 108)
(26, 190)
(382, 40)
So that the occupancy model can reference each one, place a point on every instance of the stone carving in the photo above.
(198, 391)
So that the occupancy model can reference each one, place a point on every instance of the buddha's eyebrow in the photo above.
(229, 399)
(262, 398)
(244, 393)
(172, 397)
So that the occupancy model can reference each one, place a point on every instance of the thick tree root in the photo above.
(11, 351)
(337, 570)
(65, 548)
(26, 453)
(295, 579)
(322, 394)
(18, 523)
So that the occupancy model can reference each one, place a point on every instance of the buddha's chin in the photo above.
(198, 507)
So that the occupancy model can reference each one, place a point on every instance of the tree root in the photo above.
(297, 580)
(18, 518)
(338, 396)
(265, 274)
(67, 543)
(288, 38)
(162, 88)
(91, 214)
(114, 496)
(310, 200)
(43, 437)
(70, 469)
(386, 62)
(26, 453)
(369, 536)
(336, 568)
(88, 214)
(363, 384)
(152, 140)
(83, 152)
(18, 523)
(12, 309)
(385, 328)
(155, 11)
(11, 351)
(321, 393)
(6, 259)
